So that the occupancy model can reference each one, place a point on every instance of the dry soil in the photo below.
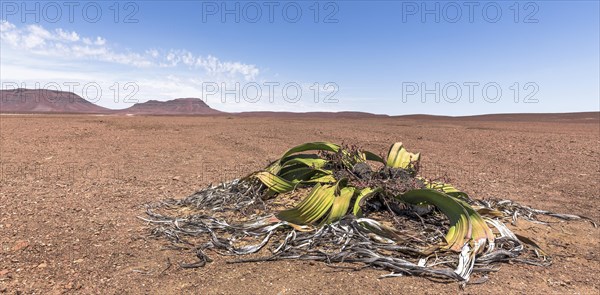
(71, 188)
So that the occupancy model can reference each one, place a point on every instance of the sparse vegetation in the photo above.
(355, 207)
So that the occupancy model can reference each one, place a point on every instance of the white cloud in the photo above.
(63, 35)
(152, 52)
(36, 40)
(6, 26)
(100, 41)
(37, 55)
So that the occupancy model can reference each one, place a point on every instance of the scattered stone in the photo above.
(20, 245)
(73, 286)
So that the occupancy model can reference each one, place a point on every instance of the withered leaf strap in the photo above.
(355, 207)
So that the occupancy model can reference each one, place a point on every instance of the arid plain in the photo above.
(72, 187)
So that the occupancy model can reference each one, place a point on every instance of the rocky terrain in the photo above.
(72, 188)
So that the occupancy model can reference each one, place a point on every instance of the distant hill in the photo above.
(344, 114)
(179, 106)
(29, 101)
(24, 101)
(581, 117)
(46, 101)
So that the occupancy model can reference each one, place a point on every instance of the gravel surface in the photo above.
(72, 186)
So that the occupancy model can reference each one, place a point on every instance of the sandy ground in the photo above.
(72, 186)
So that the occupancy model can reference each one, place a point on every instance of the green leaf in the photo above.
(445, 188)
(321, 179)
(460, 229)
(308, 162)
(312, 208)
(399, 157)
(481, 233)
(275, 183)
(362, 197)
(273, 168)
(312, 146)
(300, 174)
(369, 156)
(341, 204)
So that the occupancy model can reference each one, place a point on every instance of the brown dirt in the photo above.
(72, 186)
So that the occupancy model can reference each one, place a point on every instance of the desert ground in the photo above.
(72, 187)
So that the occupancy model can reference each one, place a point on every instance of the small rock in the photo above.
(42, 265)
(77, 286)
(80, 260)
(20, 245)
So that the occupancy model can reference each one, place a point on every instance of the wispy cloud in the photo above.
(34, 56)
(37, 40)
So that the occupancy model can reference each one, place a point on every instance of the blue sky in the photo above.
(374, 56)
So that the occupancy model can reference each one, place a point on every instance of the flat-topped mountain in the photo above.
(179, 106)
